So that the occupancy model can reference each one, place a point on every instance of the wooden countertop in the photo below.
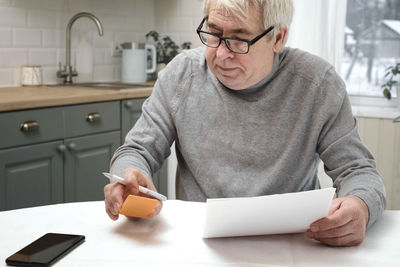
(26, 97)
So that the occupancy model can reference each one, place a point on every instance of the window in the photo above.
(372, 43)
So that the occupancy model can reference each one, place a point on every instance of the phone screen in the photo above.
(45, 250)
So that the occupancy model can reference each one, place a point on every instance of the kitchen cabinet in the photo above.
(55, 155)
(31, 176)
(86, 158)
(131, 110)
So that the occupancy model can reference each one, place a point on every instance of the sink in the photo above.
(107, 85)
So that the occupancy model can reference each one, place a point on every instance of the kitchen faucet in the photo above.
(68, 72)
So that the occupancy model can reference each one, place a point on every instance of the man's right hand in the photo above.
(116, 193)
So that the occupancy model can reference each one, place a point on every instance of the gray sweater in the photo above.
(262, 140)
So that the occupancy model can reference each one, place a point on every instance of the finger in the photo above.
(156, 210)
(134, 178)
(131, 182)
(111, 215)
(348, 240)
(335, 205)
(335, 232)
(107, 200)
(143, 180)
(337, 219)
(113, 199)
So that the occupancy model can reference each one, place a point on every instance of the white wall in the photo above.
(179, 19)
(33, 32)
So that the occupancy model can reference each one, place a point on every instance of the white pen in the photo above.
(115, 178)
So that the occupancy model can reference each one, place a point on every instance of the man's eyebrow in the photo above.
(216, 27)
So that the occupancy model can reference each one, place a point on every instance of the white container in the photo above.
(84, 60)
(31, 75)
(134, 64)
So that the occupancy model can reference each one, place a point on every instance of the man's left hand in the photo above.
(345, 224)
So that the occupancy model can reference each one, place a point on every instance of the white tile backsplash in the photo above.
(5, 2)
(55, 4)
(121, 37)
(26, 3)
(13, 57)
(133, 24)
(33, 32)
(113, 23)
(43, 57)
(180, 24)
(12, 17)
(6, 77)
(125, 7)
(103, 6)
(43, 19)
(53, 38)
(143, 8)
(179, 19)
(103, 73)
(104, 41)
(167, 8)
(191, 8)
(98, 56)
(116, 61)
(49, 75)
(80, 5)
(5, 37)
(27, 38)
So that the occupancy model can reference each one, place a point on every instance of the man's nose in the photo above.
(223, 51)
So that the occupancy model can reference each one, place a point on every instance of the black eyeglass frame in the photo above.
(221, 38)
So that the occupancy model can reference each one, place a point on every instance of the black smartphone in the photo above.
(46, 250)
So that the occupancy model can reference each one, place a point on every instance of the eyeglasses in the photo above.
(236, 45)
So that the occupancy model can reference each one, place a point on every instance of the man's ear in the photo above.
(280, 39)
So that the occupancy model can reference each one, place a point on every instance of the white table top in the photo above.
(174, 238)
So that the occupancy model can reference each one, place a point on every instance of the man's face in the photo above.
(239, 71)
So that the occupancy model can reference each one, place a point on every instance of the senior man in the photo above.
(250, 117)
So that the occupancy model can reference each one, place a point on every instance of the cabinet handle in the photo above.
(128, 104)
(71, 146)
(29, 126)
(61, 148)
(93, 117)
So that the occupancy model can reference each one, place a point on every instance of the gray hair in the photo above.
(274, 12)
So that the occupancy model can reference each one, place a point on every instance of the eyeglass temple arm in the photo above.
(261, 35)
(201, 24)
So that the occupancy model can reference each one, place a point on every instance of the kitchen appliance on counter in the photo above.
(134, 67)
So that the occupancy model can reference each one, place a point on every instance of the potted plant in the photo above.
(393, 76)
(166, 48)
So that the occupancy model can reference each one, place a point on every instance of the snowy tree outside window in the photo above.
(372, 43)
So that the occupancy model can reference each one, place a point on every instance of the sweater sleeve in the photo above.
(347, 161)
(148, 143)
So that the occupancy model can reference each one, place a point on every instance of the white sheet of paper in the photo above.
(273, 214)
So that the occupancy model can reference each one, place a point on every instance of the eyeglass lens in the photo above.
(236, 46)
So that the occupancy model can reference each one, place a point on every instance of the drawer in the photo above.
(30, 126)
(92, 118)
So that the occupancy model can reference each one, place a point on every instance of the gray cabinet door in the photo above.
(131, 111)
(31, 176)
(85, 160)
